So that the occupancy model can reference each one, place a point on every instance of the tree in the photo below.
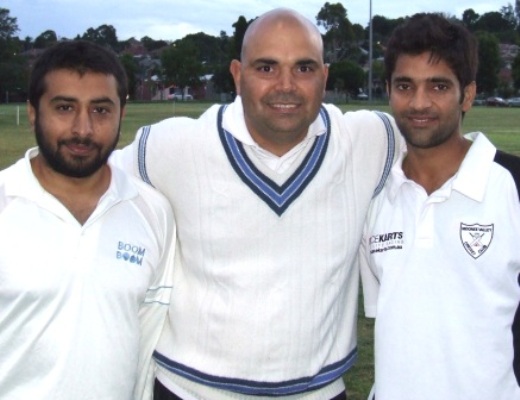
(515, 70)
(13, 67)
(382, 27)
(489, 62)
(470, 18)
(517, 15)
(151, 44)
(45, 39)
(181, 64)
(8, 25)
(131, 69)
(240, 27)
(346, 75)
(494, 22)
(223, 80)
(339, 35)
(104, 35)
(14, 75)
(211, 52)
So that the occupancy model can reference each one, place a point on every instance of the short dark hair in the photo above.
(447, 40)
(79, 56)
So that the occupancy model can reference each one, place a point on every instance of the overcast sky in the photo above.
(174, 19)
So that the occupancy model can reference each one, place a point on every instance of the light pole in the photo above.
(370, 54)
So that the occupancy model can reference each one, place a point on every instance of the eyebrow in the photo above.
(270, 61)
(99, 100)
(433, 79)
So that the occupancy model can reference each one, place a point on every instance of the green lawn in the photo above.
(500, 124)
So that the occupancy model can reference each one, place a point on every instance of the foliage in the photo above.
(13, 67)
(104, 35)
(346, 76)
(383, 27)
(240, 27)
(209, 55)
(151, 44)
(45, 39)
(489, 62)
(210, 50)
(8, 25)
(339, 33)
(181, 64)
(131, 69)
(516, 72)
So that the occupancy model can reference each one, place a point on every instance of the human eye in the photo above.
(402, 86)
(64, 107)
(306, 68)
(441, 87)
(265, 68)
(101, 110)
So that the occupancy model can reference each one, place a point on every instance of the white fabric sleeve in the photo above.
(153, 314)
(126, 158)
(369, 280)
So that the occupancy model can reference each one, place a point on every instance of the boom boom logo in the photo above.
(130, 253)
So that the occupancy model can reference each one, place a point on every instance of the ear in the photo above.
(235, 69)
(470, 91)
(31, 114)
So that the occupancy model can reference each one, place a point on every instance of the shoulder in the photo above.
(161, 136)
(14, 180)
(512, 164)
(180, 124)
(363, 121)
(152, 204)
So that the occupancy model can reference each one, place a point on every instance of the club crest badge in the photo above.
(476, 238)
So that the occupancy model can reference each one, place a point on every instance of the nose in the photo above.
(83, 123)
(420, 99)
(286, 80)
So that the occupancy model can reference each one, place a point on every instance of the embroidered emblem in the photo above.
(476, 238)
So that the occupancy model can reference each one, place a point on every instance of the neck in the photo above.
(79, 195)
(432, 167)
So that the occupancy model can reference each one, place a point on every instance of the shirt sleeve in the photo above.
(124, 159)
(369, 280)
(153, 314)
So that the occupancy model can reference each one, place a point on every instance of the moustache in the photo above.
(284, 98)
(86, 142)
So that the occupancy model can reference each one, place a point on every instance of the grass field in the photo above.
(502, 126)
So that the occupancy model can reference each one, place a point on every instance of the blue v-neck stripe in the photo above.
(278, 198)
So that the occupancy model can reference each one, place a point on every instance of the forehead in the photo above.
(421, 67)
(64, 82)
(283, 39)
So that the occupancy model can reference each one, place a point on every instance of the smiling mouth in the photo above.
(284, 107)
(420, 119)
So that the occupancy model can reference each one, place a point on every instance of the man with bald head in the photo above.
(269, 195)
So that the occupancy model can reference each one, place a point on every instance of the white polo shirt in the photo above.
(70, 294)
(440, 274)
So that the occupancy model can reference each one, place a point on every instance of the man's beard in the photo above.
(74, 167)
